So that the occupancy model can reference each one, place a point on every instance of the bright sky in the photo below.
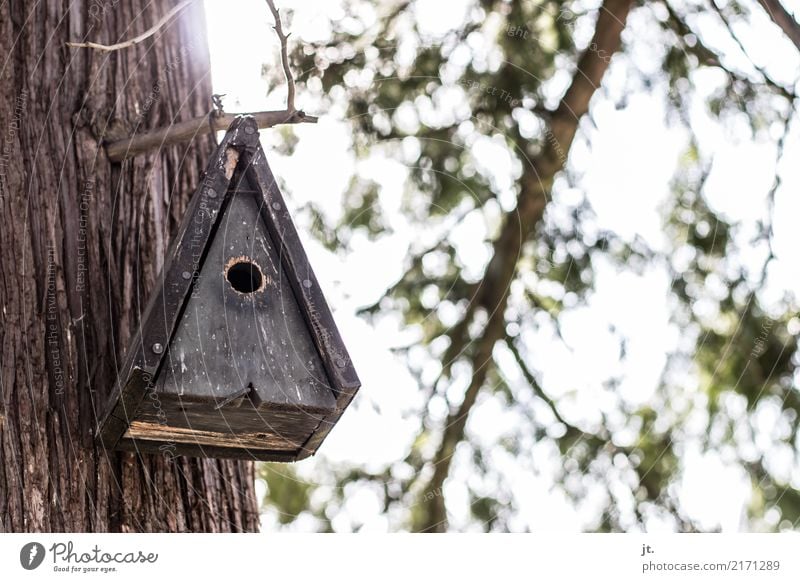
(626, 175)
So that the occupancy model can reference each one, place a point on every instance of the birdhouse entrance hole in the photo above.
(244, 276)
(218, 369)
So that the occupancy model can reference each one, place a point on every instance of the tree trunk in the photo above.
(81, 243)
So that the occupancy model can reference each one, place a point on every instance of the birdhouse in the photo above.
(237, 354)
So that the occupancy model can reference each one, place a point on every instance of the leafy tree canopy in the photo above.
(492, 121)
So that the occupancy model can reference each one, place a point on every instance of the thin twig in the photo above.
(188, 130)
(284, 55)
(136, 40)
(530, 378)
(727, 22)
(213, 121)
(769, 223)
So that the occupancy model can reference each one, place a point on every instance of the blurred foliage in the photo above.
(427, 101)
(288, 495)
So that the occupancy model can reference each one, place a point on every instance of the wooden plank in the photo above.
(288, 423)
(189, 450)
(164, 434)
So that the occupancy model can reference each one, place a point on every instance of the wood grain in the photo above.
(81, 242)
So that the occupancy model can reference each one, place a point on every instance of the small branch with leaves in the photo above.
(214, 120)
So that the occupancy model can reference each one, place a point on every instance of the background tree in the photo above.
(81, 242)
(430, 101)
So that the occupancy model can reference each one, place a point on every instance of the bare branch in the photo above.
(530, 378)
(284, 55)
(783, 19)
(726, 21)
(187, 130)
(214, 121)
(136, 40)
(708, 57)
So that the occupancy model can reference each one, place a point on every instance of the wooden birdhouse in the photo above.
(237, 354)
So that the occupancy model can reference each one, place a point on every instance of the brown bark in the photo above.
(81, 242)
(519, 225)
(783, 19)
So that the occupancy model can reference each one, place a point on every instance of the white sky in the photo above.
(626, 175)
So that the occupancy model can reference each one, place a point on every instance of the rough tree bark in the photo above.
(81, 242)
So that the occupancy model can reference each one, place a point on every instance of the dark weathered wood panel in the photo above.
(292, 425)
(209, 452)
(308, 293)
(228, 340)
(168, 297)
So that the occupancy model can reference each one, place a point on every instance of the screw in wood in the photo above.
(158, 348)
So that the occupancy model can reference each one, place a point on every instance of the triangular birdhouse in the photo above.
(237, 354)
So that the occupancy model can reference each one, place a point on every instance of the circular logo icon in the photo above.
(31, 555)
